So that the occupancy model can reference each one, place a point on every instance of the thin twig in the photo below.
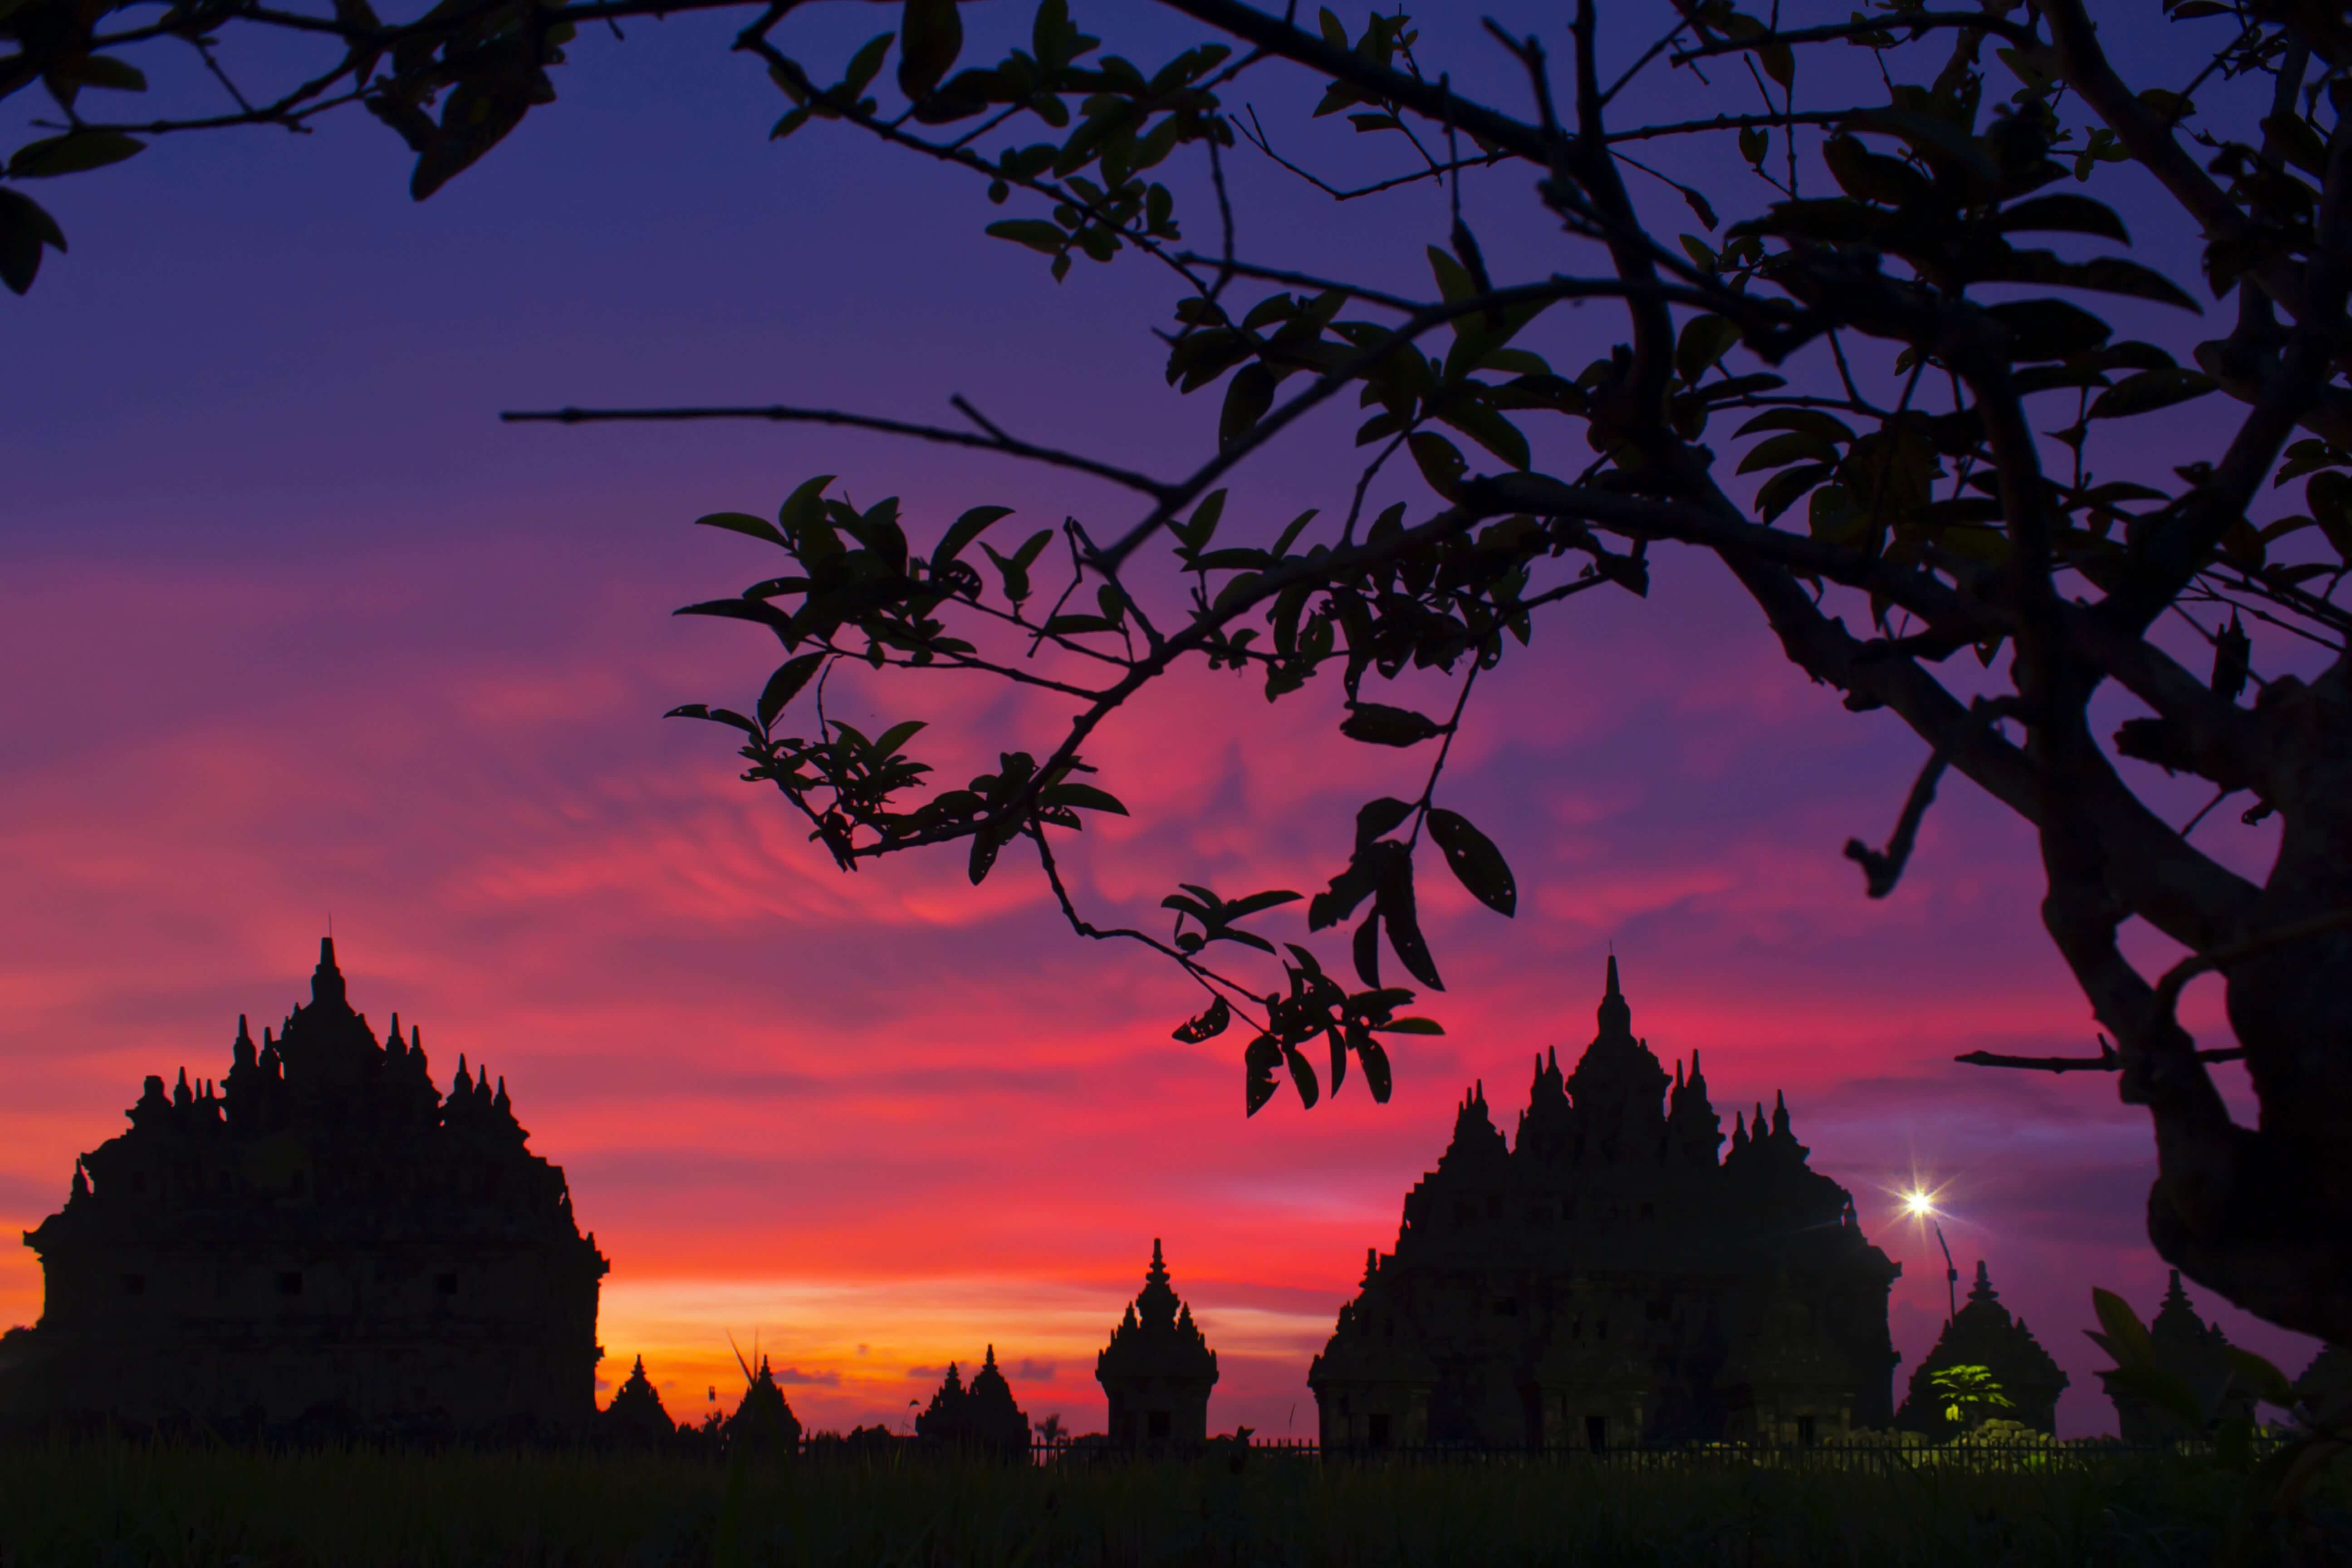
(780, 413)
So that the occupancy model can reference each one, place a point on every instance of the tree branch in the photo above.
(995, 441)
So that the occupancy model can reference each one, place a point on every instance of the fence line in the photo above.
(1868, 1457)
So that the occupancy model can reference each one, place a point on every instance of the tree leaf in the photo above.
(2329, 493)
(930, 36)
(1783, 491)
(2127, 1338)
(1703, 341)
(1412, 1026)
(802, 516)
(1379, 818)
(1367, 950)
(1376, 1069)
(1087, 795)
(25, 228)
(727, 716)
(2048, 329)
(985, 845)
(1257, 1067)
(1441, 461)
(1048, 238)
(741, 522)
(1827, 427)
(756, 610)
(1398, 913)
(2063, 214)
(864, 64)
(1302, 1075)
(1247, 398)
(2150, 390)
(2263, 1376)
(1209, 1025)
(71, 153)
(1789, 447)
(1476, 864)
(1377, 724)
(785, 685)
(963, 530)
(1255, 903)
(105, 70)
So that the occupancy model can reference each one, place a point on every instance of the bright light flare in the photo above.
(1919, 1205)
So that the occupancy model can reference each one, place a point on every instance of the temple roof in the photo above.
(1157, 1338)
(2178, 1324)
(1983, 1334)
(1477, 1146)
(319, 1128)
(1616, 1067)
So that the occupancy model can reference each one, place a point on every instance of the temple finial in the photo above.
(1616, 1016)
(327, 979)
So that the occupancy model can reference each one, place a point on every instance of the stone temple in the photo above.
(324, 1245)
(1984, 1333)
(1607, 1279)
(1158, 1369)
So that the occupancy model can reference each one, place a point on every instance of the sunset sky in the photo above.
(293, 627)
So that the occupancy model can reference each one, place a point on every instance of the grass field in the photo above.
(126, 1503)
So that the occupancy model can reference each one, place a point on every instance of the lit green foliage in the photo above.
(1970, 1393)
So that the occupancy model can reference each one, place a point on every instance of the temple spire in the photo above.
(1616, 1016)
(327, 980)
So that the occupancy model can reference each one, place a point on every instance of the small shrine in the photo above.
(637, 1417)
(982, 1417)
(1158, 1369)
(1983, 1334)
(763, 1423)
(2195, 1352)
(324, 1245)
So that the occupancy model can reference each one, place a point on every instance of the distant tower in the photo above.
(2192, 1350)
(1158, 1369)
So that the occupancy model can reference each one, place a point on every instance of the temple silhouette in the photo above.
(980, 1418)
(1983, 1334)
(2196, 1352)
(1606, 1279)
(1158, 1369)
(324, 1245)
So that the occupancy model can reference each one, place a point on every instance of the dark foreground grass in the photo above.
(126, 1503)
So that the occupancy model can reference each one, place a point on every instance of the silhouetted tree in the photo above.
(1926, 384)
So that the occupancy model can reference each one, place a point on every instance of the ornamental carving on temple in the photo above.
(1606, 1279)
(1158, 1369)
(325, 1245)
